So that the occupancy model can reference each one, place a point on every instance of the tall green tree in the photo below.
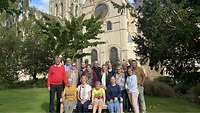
(45, 37)
(36, 57)
(38, 40)
(23, 45)
(10, 43)
(70, 37)
(10, 50)
(170, 36)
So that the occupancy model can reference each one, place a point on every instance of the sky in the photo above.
(42, 5)
(131, 1)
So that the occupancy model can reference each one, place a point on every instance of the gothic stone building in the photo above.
(118, 27)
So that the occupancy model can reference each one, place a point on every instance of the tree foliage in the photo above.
(10, 47)
(10, 43)
(170, 35)
(36, 57)
(28, 45)
(9, 6)
(69, 37)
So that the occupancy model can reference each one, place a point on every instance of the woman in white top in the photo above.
(84, 95)
(121, 80)
(132, 89)
(105, 76)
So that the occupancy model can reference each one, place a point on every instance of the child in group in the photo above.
(113, 96)
(84, 95)
(98, 97)
(69, 96)
(132, 89)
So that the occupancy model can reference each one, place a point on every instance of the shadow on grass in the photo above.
(45, 107)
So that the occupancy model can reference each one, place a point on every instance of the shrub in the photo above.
(156, 88)
(182, 88)
(196, 94)
(40, 83)
(4, 86)
(166, 79)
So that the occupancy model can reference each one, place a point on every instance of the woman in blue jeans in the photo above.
(120, 80)
(113, 96)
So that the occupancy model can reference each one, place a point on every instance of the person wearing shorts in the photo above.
(98, 97)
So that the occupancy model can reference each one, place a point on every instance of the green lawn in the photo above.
(36, 101)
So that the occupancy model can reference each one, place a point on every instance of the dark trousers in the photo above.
(83, 108)
(124, 95)
(55, 90)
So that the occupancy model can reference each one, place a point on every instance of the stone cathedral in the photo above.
(118, 27)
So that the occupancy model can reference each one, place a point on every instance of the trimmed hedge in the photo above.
(40, 83)
(196, 94)
(156, 88)
(166, 79)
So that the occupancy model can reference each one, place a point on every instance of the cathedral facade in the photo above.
(118, 27)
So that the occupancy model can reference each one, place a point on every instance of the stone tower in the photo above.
(60, 8)
(119, 45)
(65, 8)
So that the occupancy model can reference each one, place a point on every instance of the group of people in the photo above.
(119, 89)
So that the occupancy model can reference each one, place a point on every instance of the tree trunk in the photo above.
(34, 76)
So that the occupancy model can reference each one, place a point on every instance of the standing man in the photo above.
(130, 62)
(86, 62)
(97, 69)
(68, 64)
(111, 70)
(56, 76)
(140, 79)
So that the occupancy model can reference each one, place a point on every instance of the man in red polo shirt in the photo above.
(56, 76)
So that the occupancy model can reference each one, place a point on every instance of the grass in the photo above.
(35, 100)
(24, 101)
(171, 105)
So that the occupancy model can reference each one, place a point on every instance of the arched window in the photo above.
(76, 10)
(94, 56)
(114, 56)
(62, 10)
(56, 10)
(101, 10)
(109, 25)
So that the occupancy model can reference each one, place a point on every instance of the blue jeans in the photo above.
(114, 107)
(82, 108)
(124, 95)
